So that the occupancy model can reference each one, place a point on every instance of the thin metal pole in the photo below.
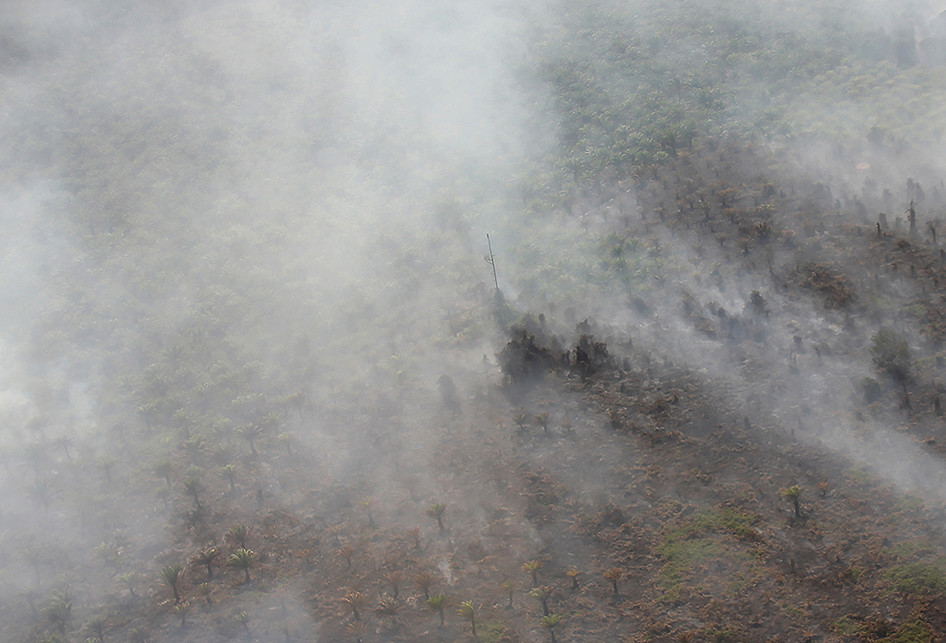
(492, 261)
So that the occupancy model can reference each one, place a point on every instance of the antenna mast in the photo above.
(492, 261)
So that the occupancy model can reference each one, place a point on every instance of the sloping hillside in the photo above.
(258, 383)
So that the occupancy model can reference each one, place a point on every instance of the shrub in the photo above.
(872, 390)
(913, 632)
(591, 356)
(757, 304)
(918, 578)
(829, 282)
(891, 354)
(523, 358)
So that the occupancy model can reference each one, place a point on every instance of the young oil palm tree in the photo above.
(388, 607)
(242, 558)
(243, 619)
(533, 567)
(251, 432)
(437, 603)
(42, 492)
(36, 455)
(129, 581)
(110, 553)
(614, 575)
(468, 611)
(793, 493)
(394, 579)
(423, 581)
(436, 511)
(65, 443)
(239, 534)
(550, 622)
(346, 551)
(193, 487)
(414, 534)
(353, 602)
(59, 611)
(542, 594)
(298, 401)
(164, 469)
(573, 574)
(107, 464)
(357, 630)
(182, 609)
(171, 574)
(96, 627)
(508, 587)
(230, 472)
(521, 419)
(367, 503)
(206, 557)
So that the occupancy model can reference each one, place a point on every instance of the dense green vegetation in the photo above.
(636, 88)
